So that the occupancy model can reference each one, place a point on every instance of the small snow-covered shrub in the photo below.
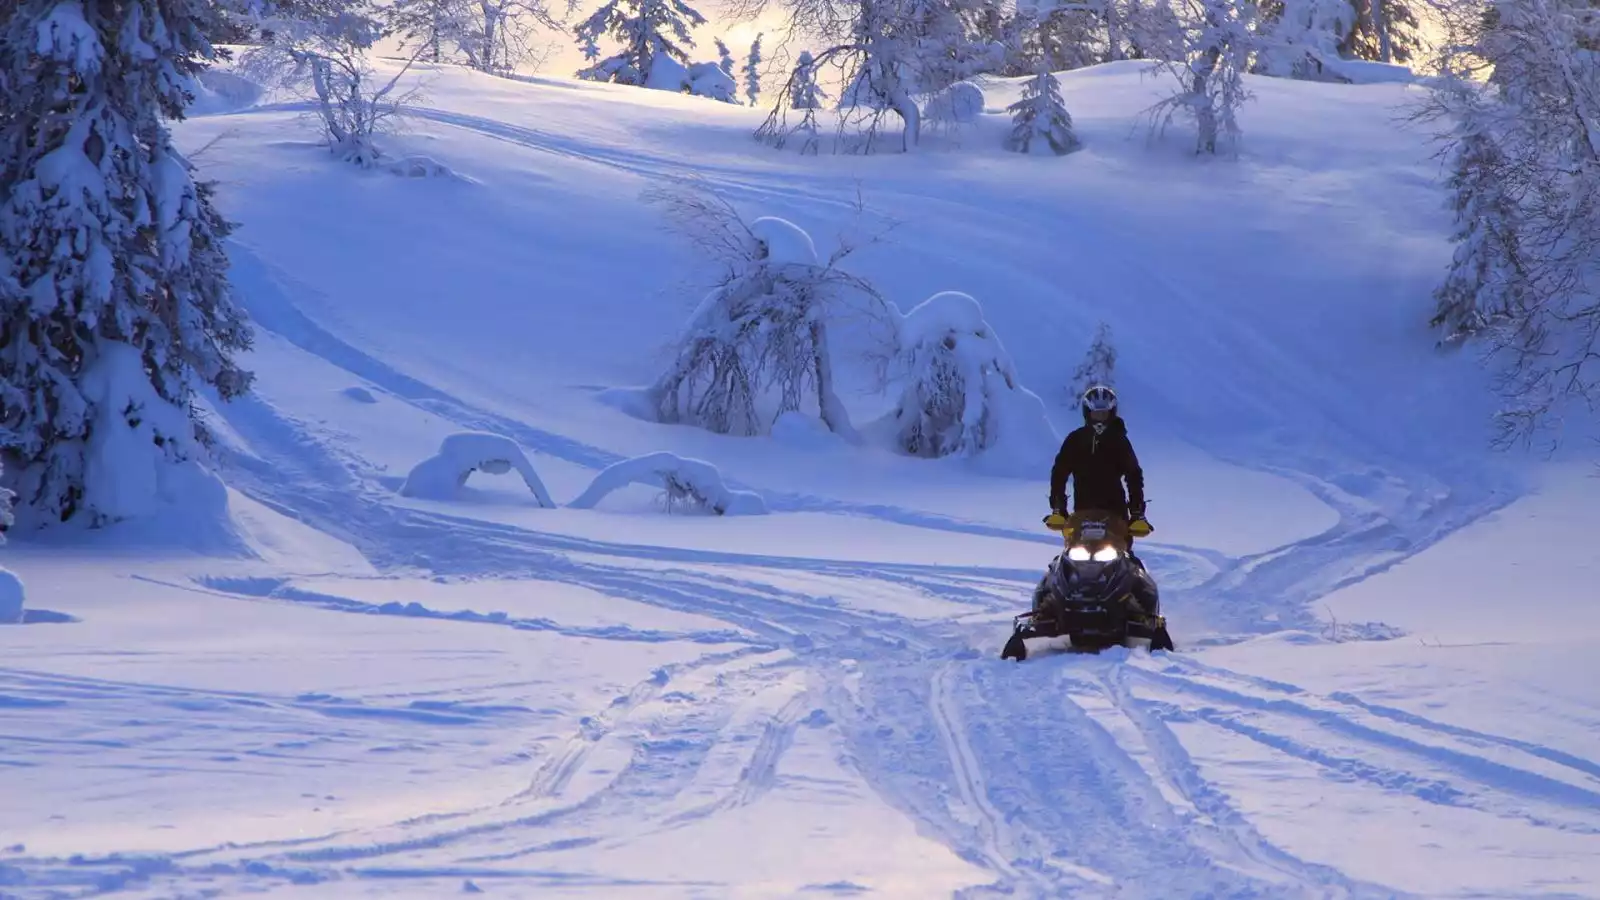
(439, 477)
(686, 481)
(420, 167)
(960, 103)
(961, 396)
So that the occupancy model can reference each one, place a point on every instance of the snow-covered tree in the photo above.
(1525, 150)
(115, 309)
(435, 26)
(494, 35)
(654, 35)
(752, 72)
(724, 57)
(961, 396)
(1099, 365)
(1040, 120)
(1385, 31)
(328, 59)
(1304, 38)
(1218, 43)
(757, 346)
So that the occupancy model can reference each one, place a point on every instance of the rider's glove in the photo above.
(1056, 521)
(1139, 527)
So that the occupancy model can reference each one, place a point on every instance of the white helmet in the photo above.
(1099, 398)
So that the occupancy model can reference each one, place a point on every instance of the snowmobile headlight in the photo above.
(1107, 554)
(1078, 554)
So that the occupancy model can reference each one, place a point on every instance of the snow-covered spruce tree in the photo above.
(1218, 42)
(752, 72)
(1099, 365)
(1303, 38)
(1526, 152)
(654, 35)
(757, 346)
(328, 60)
(724, 57)
(115, 308)
(1040, 121)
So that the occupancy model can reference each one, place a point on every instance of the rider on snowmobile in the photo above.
(1099, 457)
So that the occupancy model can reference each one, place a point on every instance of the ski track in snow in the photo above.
(1059, 778)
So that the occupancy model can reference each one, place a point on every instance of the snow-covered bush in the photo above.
(115, 308)
(757, 345)
(1040, 121)
(961, 396)
(690, 482)
(327, 60)
(960, 104)
(440, 476)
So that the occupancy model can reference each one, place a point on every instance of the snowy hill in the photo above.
(333, 687)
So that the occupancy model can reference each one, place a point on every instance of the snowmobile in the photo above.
(1093, 592)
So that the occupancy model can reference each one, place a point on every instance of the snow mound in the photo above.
(708, 80)
(421, 167)
(781, 242)
(961, 394)
(691, 481)
(796, 429)
(439, 477)
(12, 597)
(359, 394)
(960, 103)
(218, 91)
(1361, 71)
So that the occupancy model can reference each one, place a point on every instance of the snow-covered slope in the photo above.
(1381, 687)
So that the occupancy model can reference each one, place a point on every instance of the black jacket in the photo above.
(1097, 464)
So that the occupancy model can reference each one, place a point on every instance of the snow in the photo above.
(12, 597)
(1385, 683)
(441, 476)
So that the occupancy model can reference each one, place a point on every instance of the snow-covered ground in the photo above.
(1382, 686)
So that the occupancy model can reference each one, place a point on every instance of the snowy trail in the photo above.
(1016, 768)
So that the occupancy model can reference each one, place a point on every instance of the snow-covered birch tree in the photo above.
(1218, 41)
(115, 308)
(1525, 153)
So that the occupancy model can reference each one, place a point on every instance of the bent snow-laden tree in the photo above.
(1525, 149)
(441, 475)
(690, 483)
(961, 394)
(115, 308)
(758, 344)
(1305, 38)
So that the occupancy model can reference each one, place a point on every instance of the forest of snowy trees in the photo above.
(117, 318)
